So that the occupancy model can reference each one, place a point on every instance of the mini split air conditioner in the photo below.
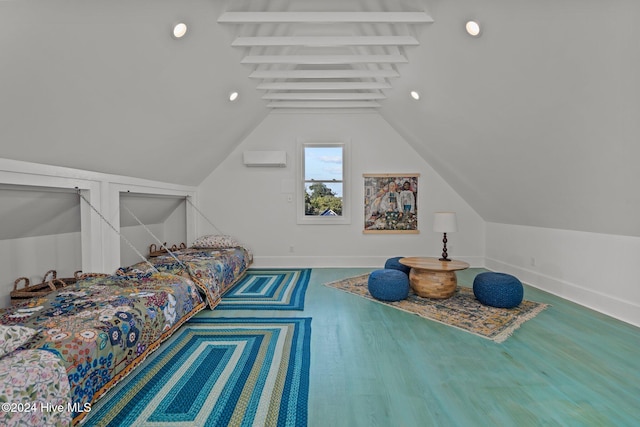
(265, 158)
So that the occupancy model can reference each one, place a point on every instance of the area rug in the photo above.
(218, 372)
(462, 310)
(268, 289)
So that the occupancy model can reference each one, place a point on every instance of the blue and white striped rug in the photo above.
(218, 372)
(268, 289)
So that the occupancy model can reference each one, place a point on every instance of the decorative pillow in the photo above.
(216, 241)
(12, 337)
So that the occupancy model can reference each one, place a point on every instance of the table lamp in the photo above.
(445, 222)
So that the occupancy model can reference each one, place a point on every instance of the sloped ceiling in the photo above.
(535, 122)
(147, 208)
(103, 86)
(34, 211)
(28, 211)
(342, 56)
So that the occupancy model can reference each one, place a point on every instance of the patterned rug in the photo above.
(218, 372)
(462, 310)
(268, 289)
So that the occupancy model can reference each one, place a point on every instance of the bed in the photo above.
(101, 328)
(34, 384)
(214, 265)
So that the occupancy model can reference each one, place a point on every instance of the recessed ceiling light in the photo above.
(179, 30)
(415, 95)
(233, 96)
(473, 28)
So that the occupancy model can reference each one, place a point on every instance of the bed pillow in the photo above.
(12, 337)
(216, 241)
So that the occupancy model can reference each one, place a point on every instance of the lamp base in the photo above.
(445, 255)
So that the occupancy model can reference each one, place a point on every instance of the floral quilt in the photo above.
(102, 327)
(34, 387)
(213, 270)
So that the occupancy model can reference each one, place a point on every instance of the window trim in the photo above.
(345, 218)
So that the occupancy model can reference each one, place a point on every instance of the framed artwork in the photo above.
(391, 203)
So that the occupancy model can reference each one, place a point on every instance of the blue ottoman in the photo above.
(394, 263)
(498, 290)
(388, 285)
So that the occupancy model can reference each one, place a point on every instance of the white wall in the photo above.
(599, 271)
(32, 257)
(251, 202)
(173, 231)
(140, 239)
(174, 228)
(96, 248)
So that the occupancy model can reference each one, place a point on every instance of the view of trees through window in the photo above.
(321, 200)
(323, 166)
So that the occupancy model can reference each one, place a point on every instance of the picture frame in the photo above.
(391, 203)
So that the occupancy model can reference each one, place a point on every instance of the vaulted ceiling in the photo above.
(324, 59)
(535, 122)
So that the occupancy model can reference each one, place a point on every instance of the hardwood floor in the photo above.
(373, 365)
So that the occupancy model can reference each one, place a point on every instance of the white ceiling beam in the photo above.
(326, 41)
(332, 96)
(323, 59)
(323, 74)
(324, 17)
(323, 104)
(323, 86)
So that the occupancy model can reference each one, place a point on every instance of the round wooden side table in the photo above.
(432, 278)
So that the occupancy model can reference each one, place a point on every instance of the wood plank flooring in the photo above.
(372, 365)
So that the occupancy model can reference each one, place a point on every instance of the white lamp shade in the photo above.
(445, 222)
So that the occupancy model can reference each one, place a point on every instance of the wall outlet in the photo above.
(533, 262)
(291, 249)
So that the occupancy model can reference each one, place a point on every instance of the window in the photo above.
(322, 198)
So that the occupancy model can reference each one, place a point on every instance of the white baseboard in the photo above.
(605, 304)
(317, 261)
(337, 261)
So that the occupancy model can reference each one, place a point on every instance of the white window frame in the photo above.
(345, 218)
